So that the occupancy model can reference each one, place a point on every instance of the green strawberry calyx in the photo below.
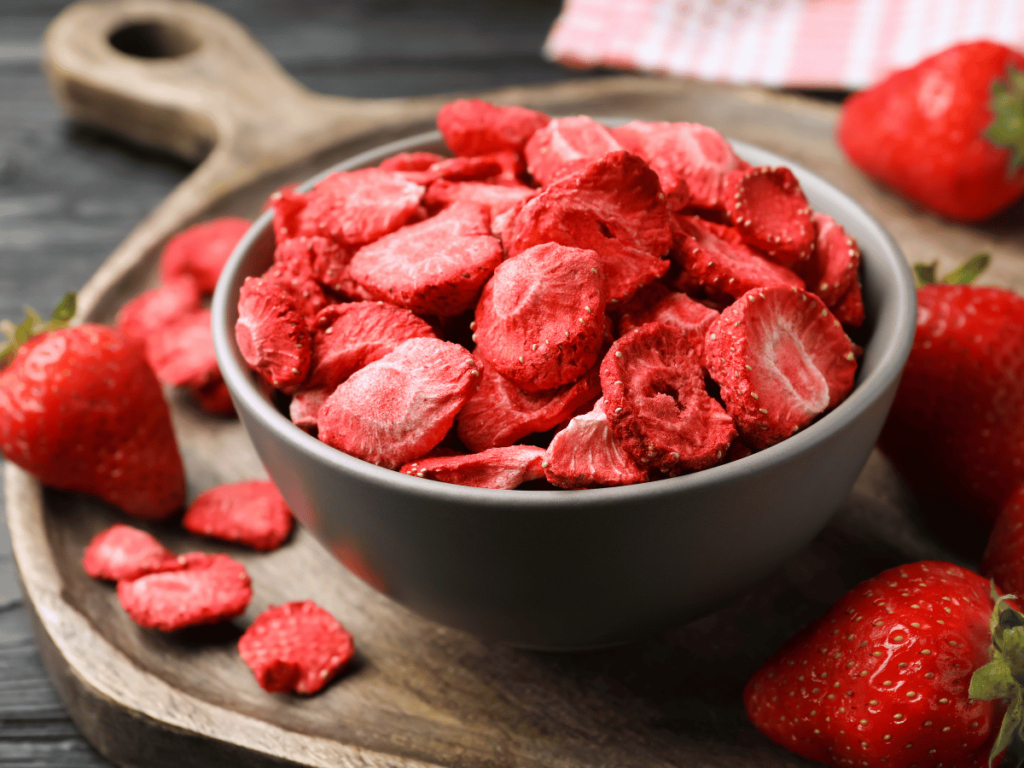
(926, 274)
(33, 325)
(1003, 678)
(1007, 127)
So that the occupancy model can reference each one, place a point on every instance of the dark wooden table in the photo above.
(69, 195)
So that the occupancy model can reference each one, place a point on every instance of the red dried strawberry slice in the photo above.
(587, 453)
(770, 211)
(497, 168)
(205, 589)
(499, 413)
(498, 468)
(540, 319)
(832, 268)
(475, 127)
(251, 513)
(297, 279)
(399, 407)
(566, 145)
(691, 160)
(319, 257)
(295, 648)
(410, 161)
(272, 334)
(781, 360)
(201, 251)
(435, 267)
(614, 207)
(155, 308)
(657, 304)
(123, 552)
(850, 309)
(497, 198)
(346, 338)
(182, 354)
(350, 208)
(717, 257)
(214, 398)
(657, 405)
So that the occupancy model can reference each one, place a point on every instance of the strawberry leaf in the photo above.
(64, 310)
(33, 325)
(992, 681)
(1009, 731)
(1007, 127)
(924, 274)
(968, 271)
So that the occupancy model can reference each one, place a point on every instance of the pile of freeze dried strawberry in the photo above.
(558, 301)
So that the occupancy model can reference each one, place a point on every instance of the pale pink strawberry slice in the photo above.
(181, 353)
(397, 408)
(272, 334)
(498, 468)
(566, 145)
(781, 360)
(124, 552)
(832, 269)
(770, 211)
(499, 413)
(476, 127)
(153, 309)
(586, 453)
(657, 404)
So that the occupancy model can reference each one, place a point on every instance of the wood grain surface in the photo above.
(419, 694)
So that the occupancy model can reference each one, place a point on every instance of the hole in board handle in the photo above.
(153, 40)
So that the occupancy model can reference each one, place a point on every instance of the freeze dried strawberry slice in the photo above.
(497, 468)
(435, 267)
(566, 145)
(410, 161)
(153, 309)
(295, 648)
(214, 398)
(781, 359)
(123, 552)
(318, 257)
(718, 258)
(346, 338)
(272, 334)
(397, 408)
(498, 168)
(251, 513)
(656, 403)
(850, 309)
(614, 207)
(540, 319)
(350, 207)
(691, 160)
(587, 453)
(497, 198)
(499, 413)
(297, 279)
(205, 589)
(657, 304)
(181, 354)
(832, 268)
(201, 251)
(770, 211)
(475, 127)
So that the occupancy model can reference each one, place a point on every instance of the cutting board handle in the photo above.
(175, 75)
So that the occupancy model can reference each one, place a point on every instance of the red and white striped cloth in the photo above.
(843, 44)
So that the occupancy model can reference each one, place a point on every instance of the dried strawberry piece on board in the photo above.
(657, 404)
(214, 398)
(499, 413)
(155, 308)
(781, 360)
(124, 552)
(251, 513)
(397, 408)
(410, 161)
(587, 453)
(833, 267)
(182, 354)
(497, 468)
(475, 127)
(566, 145)
(205, 589)
(295, 648)
(346, 338)
(691, 160)
(497, 198)
(435, 267)
(540, 319)
(201, 251)
(657, 304)
(769, 210)
(272, 334)
(615, 207)
(723, 264)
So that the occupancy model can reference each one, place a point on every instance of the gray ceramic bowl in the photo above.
(575, 569)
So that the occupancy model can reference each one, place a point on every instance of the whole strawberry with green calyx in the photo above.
(81, 409)
(956, 428)
(885, 676)
(947, 133)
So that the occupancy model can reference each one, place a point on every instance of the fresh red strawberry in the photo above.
(81, 410)
(947, 133)
(1003, 561)
(885, 676)
(956, 428)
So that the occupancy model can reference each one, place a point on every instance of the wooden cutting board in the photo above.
(187, 79)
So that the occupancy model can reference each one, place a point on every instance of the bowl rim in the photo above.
(240, 382)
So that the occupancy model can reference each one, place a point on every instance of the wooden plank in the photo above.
(418, 694)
